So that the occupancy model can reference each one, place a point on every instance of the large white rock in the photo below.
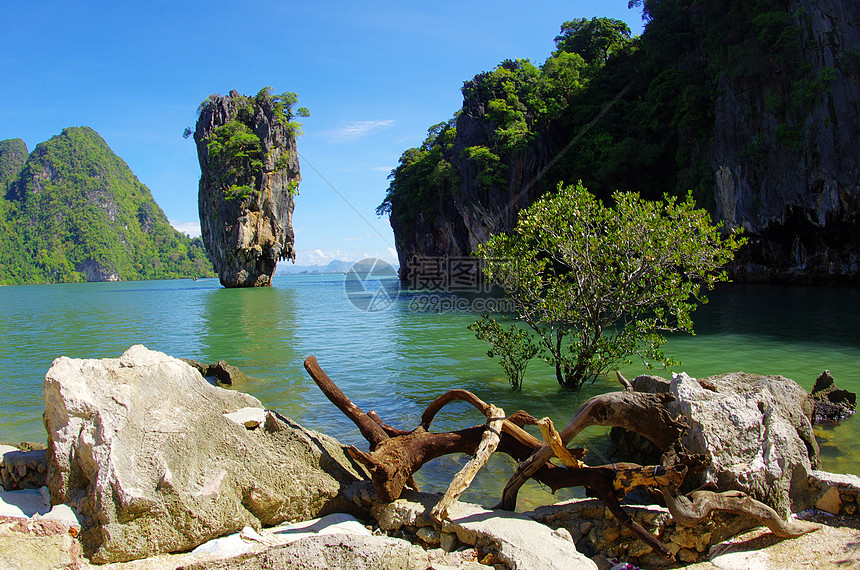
(143, 449)
(756, 432)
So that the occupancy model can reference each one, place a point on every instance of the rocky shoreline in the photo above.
(148, 465)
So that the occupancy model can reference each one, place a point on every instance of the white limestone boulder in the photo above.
(755, 430)
(146, 452)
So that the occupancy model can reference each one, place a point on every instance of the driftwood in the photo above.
(635, 411)
(693, 510)
(395, 455)
(610, 482)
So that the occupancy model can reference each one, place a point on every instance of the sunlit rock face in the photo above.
(249, 168)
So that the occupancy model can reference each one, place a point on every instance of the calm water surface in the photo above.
(398, 360)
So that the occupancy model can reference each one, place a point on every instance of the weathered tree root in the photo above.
(461, 481)
(610, 482)
(395, 455)
(687, 512)
(636, 411)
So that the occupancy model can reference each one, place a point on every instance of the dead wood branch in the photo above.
(625, 383)
(390, 431)
(611, 482)
(447, 398)
(462, 480)
(642, 413)
(371, 430)
(395, 455)
(395, 460)
(691, 511)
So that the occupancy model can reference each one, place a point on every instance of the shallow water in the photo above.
(396, 361)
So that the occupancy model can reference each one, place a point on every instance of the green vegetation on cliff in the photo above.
(75, 212)
(614, 111)
(238, 149)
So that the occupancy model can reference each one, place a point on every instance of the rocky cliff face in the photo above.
(13, 155)
(473, 210)
(249, 174)
(785, 153)
(775, 144)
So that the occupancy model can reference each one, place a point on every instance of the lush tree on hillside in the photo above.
(598, 284)
(594, 40)
(13, 155)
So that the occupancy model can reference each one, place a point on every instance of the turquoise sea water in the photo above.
(397, 360)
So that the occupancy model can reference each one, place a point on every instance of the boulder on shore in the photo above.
(755, 430)
(154, 459)
(21, 469)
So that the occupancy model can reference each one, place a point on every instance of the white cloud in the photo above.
(354, 130)
(190, 228)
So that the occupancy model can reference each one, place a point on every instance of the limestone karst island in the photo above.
(618, 327)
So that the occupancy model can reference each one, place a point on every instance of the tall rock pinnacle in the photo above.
(249, 175)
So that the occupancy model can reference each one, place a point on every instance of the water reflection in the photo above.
(822, 315)
(254, 329)
(85, 320)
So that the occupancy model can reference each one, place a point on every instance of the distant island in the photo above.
(73, 211)
(336, 266)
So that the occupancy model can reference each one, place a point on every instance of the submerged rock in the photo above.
(22, 469)
(249, 174)
(143, 449)
(223, 373)
(831, 404)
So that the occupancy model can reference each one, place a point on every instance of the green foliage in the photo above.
(13, 155)
(282, 105)
(76, 206)
(237, 151)
(598, 284)
(520, 100)
(622, 112)
(490, 163)
(594, 40)
(422, 179)
(511, 344)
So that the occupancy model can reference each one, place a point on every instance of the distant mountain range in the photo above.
(335, 266)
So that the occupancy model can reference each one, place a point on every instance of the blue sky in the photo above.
(375, 75)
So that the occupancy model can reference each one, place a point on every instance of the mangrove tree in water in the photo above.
(598, 284)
